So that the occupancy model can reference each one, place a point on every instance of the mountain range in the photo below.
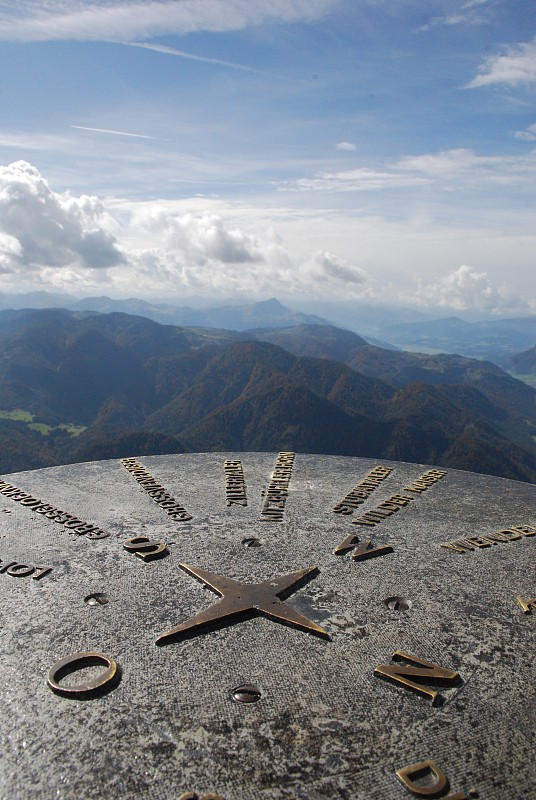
(83, 385)
(497, 340)
(264, 314)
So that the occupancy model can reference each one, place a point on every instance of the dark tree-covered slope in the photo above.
(511, 402)
(132, 386)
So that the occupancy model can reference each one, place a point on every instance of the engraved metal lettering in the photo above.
(389, 506)
(427, 673)
(89, 688)
(427, 770)
(97, 534)
(51, 512)
(511, 534)
(157, 492)
(364, 488)
(275, 496)
(41, 572)
(497, 537)
(365, 550)
(426, 480)
(460, 546)
(235, 484)
(145, 548)
(17, 570)
(362, 550)
(384, 509)
(527, 530)
(245, 600)
(527, 605)
(21, 570)
(506, 535)
(478, 542)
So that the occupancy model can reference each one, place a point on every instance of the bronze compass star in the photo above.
(245, 600)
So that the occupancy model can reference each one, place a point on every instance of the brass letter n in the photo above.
(426, 673)
(427, 769)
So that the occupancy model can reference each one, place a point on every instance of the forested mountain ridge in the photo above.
(513, 400)
(132, 386)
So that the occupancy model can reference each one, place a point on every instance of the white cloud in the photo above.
(528, 135)
(470, 13)
(457, 168)
(202, 253)
(60, 242)
(327, 267)
(123, 21)
(199, 239)
(39, 228)
(393, 251)
(355, 180)
(514, 67)
(446, 163)
(23, 140)
(466, 289)
(346, 146)
(216, 249)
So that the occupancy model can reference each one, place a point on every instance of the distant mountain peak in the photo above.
(272, 304)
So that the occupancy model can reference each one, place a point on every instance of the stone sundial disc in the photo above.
(245, 626)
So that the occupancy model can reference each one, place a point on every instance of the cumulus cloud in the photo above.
(514, 67)
(199, 239)
(154, 249)
(56, 241)
(346, 146)
(201, 253)
(465, 289)
(121, 20)
(40, 228)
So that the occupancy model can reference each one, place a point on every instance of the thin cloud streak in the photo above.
(116, 133)
(171, 51)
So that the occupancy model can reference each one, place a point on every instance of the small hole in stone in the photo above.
(398, 603)
(251, 541)
(97, 599)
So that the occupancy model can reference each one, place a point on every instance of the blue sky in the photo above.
(377, 150)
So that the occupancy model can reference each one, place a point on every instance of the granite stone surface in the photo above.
(326, 724)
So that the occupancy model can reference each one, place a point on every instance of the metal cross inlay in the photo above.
(244, 600)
